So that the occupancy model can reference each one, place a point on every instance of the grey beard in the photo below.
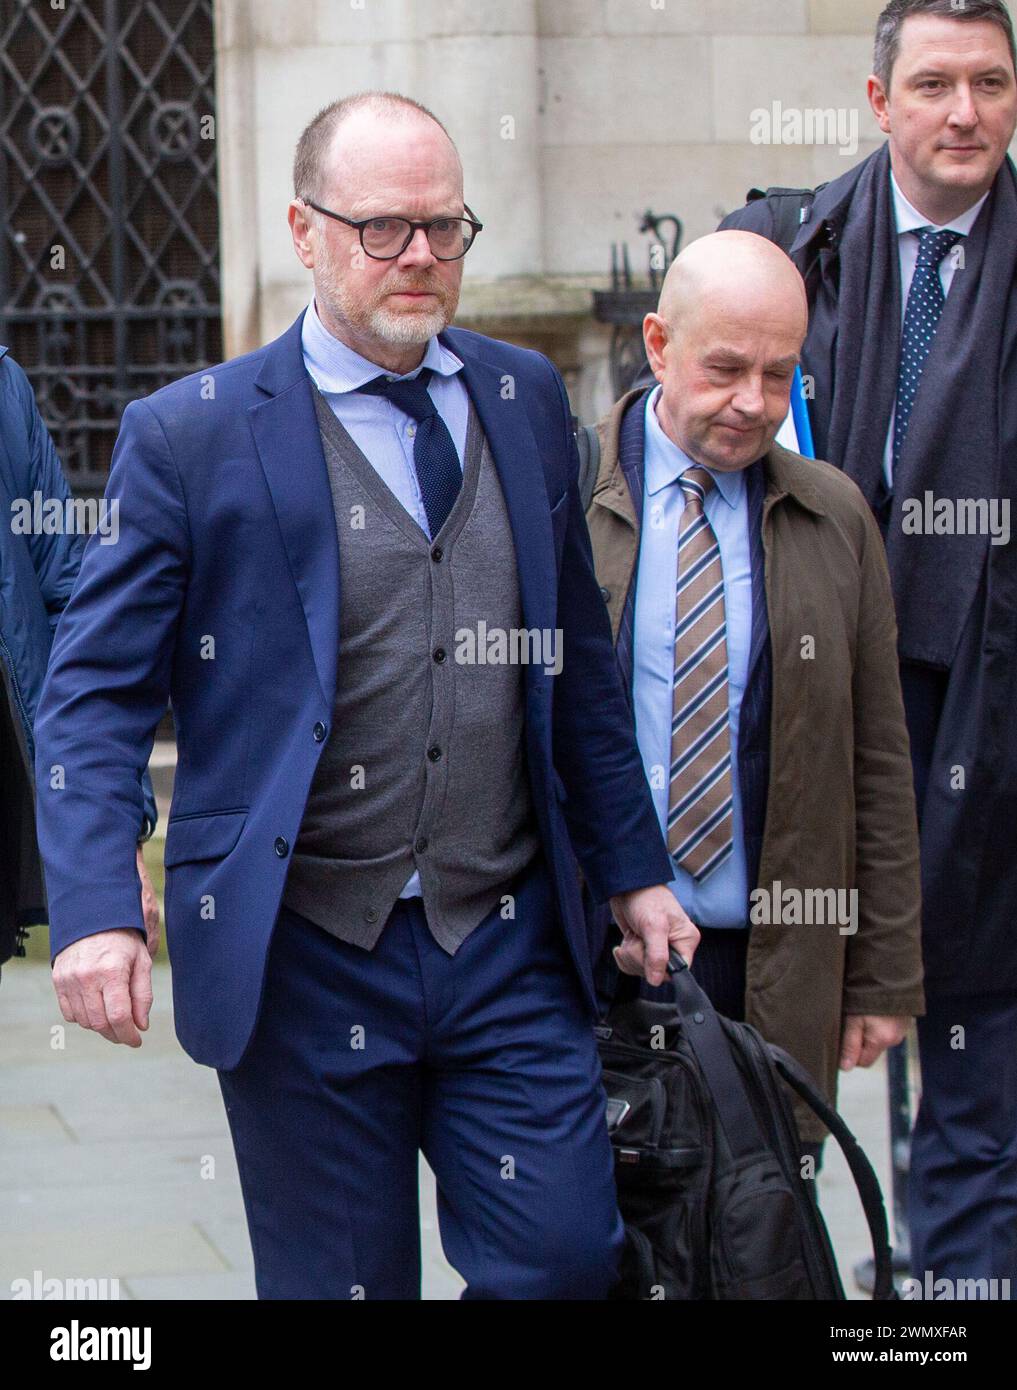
(405, 330)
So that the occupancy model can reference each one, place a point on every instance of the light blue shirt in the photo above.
(720, 899)
(383, 432)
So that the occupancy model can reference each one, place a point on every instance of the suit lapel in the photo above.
(288, 440)
(521, 474)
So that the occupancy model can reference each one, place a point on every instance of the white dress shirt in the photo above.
(908, 220)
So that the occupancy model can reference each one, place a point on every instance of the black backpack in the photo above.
(588, 444)
(790, 207)
(708, 1159)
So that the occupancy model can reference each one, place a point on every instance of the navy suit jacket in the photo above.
(222, 594)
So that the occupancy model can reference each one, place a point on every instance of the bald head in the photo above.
(724, 344)
(390, 152)
(737, 274)
(362, 113)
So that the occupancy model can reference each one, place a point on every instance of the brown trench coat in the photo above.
(840, 809)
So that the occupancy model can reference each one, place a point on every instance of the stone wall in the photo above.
(572, 117)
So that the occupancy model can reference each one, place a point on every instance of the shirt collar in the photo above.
(666, 462)
(337, 368)
(909, 219)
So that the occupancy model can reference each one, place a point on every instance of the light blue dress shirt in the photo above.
(720, 899)
(383, 432)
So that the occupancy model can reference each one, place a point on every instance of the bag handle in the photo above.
(867, 1183)
(588, 444)
(705, 1036)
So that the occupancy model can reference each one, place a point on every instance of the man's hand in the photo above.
(651, 921)
(867, 1036)
(104, 982)
(149, 905)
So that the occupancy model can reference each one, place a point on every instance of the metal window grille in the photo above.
(109, 220)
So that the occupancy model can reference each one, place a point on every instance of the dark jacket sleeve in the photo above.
(106, 690)
(883, 970)
(56, 558)
(608, 809)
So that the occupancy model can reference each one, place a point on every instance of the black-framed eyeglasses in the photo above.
(385, 238)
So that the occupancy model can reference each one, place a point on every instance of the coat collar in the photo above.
(519, 464)
(791, 475)
(822, 229)
(282, 363)
(787, 474)
(611, 490)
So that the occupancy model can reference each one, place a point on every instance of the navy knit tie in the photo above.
(925, 305)
(434, 454)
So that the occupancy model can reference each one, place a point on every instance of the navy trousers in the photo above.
(484, 1060)
(963, 1182)
(963, 1177)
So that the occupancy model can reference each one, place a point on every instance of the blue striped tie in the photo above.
(700, 817)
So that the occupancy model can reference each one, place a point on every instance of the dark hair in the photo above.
(317, 136)
(891, 21)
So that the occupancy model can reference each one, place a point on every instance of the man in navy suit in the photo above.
(356, 563)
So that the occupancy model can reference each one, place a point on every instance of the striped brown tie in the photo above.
(699, 818)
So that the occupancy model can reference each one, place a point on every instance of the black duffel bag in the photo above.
(708, 1159)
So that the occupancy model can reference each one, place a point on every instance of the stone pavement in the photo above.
(117, 1162)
